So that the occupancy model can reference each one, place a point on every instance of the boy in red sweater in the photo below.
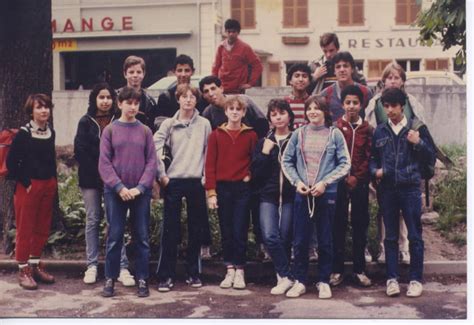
(354, 188)
(233, 59)
(229, 154)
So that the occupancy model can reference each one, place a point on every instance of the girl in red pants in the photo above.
(31, 162)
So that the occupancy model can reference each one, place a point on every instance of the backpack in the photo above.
(427, 167)
(6, 139)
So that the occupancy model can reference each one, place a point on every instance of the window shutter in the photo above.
(244, 12)
(357, 12)
(414, 10)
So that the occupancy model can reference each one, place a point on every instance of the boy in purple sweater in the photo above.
(127, 165)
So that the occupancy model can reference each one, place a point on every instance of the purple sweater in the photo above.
(127, 157)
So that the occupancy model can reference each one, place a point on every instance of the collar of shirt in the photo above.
(359, 121)
(396, 128)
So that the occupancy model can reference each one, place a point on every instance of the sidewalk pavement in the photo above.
(255, 270)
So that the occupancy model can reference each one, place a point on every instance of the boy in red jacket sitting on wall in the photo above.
(229, 154)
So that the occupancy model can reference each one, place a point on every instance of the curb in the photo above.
(256, 270)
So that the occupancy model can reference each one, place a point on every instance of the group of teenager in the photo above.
(300, 171)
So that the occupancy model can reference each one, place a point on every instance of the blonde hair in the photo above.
(393, 66)
(230, 100)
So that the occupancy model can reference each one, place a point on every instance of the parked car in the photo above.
(169, 82)
(442, 78)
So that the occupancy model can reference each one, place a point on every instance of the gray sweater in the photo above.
(188, 144)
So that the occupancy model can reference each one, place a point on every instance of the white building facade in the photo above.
(92, 37)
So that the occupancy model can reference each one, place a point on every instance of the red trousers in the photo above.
(33, 213)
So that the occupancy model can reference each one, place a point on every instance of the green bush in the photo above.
(451, 197)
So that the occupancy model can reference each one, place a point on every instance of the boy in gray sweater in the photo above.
(186, 134)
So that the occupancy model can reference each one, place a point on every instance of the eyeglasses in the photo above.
(234, 108)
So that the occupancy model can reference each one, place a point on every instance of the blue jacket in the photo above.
(335, 162)
(402, 166)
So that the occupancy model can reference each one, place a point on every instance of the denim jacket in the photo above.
(400, 167)
(335, 161)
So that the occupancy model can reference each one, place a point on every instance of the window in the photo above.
(437, 64)
(406, 11)
(273, 77)
(410, 65)
(376, 67)
(351, 12)
(295, 13)
(244, 12)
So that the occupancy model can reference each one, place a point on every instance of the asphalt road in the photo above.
(444, 297)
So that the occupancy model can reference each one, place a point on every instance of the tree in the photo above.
(25, 68)
(445, 20)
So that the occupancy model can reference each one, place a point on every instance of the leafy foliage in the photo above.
(445, 20)
(451, 198)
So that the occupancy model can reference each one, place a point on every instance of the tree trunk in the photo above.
(25, 68)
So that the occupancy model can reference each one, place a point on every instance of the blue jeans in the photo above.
(193, 191)
(325, 206)
(92, 201)
(140, 221)
(359, 198)
(408, 200)
(233, 199)
(276, 232)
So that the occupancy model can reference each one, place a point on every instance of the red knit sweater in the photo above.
(228, 159)
(232, 66)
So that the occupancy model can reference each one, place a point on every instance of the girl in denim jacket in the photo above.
(315, 159)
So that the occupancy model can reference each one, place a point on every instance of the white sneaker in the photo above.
(368, 257)
(393, 289)
(90, 276)
(126, 279)
(283, 285)
(362, 280)
(313, 254)
(381, 257)
(335, 279)
(206, 252)
(324, 290)
(296, 290)
(405, 258)
(239, 279)
(415, 289)
(228, 280)
(264, 253)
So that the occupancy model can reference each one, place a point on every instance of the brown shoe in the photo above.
(25, 278)
(40, 274)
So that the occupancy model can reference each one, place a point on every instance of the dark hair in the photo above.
(127, 93)
(42, 99)
(344, 56)
(92, 109)
(322, 106)
(183, 59)
(281, 105)
(182, 89)
(298, 67)
(393, 96)
(328, 38)
(133, 60)
(232, 24)
(352, 90)
(209, 80)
